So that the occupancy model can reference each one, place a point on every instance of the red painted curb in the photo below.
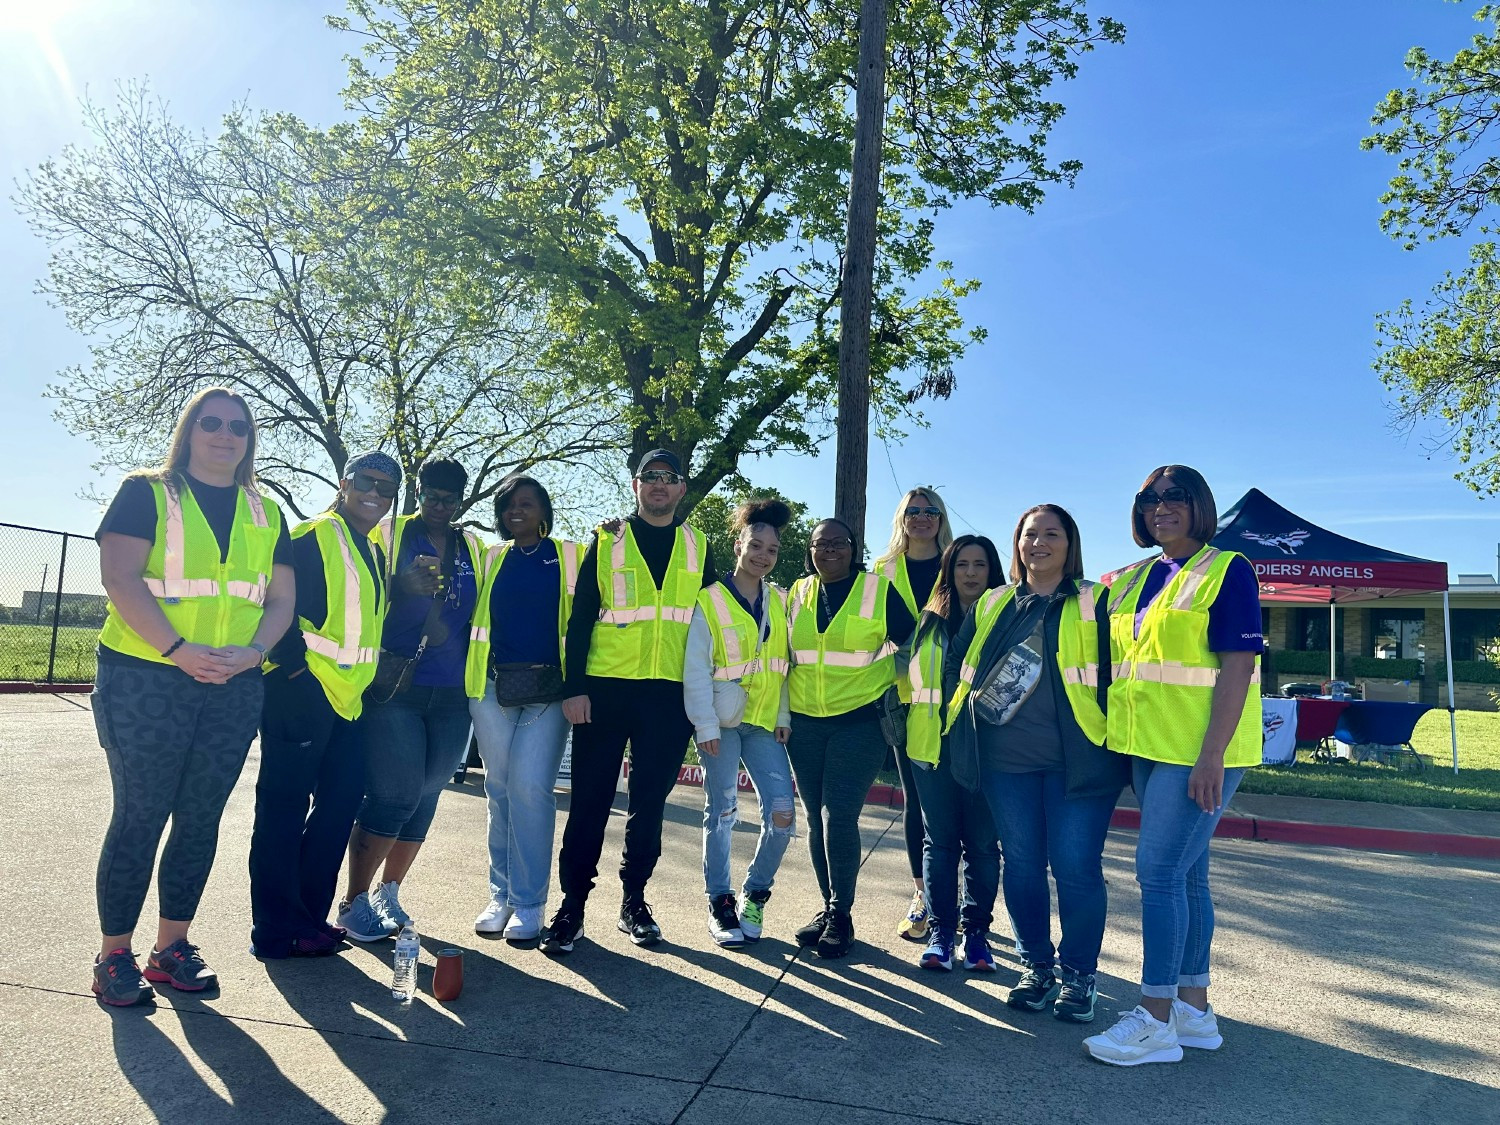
(1340, 836)
(23, 687)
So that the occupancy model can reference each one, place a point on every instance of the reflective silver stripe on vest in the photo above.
(690, 548)
(1173, 674)
(172, 584)
(1086, 600)
(867, 599)
(679, 614)
(844, 659)
(927, 695)
(344, 657)
(749, 667)
(1088, 675)
(570, 565)
(1136, 573)
(617, 571)
(479, 635)
(182, 587)
(248, 591)
(732, 650)
(1193, 580)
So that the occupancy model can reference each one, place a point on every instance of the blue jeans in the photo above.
(1171, 866)
(1041, 826)
(766, 761)
(413, 745)
(957, 824)
(522, 748)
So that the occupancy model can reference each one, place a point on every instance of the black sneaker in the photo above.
(724, 921)
(1075, 1000)
(565, 928)
(809, 934)
(838, 934)
(636, 920)
(1035, 990)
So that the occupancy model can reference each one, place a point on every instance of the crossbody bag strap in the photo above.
(450, 554)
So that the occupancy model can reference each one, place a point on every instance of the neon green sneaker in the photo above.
(753, 913)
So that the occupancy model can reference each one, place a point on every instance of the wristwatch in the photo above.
(258, 647)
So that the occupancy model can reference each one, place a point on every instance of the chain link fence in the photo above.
(51, 605)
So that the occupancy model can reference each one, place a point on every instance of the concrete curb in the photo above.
(26, 687)
(1340, 836)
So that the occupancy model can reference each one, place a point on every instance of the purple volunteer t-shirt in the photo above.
(1234, 617)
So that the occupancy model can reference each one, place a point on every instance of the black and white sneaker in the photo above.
(636, 920)
(1037, 988)
(565, 928)
(724, 922)
(1075, 1000)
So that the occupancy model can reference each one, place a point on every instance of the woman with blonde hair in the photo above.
(911, 561)
(197, 566)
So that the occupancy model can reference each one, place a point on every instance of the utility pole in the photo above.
(858, 284)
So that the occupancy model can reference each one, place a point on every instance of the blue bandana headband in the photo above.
(374, 459)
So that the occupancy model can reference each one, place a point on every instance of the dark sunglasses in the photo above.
(913, 512)
(829, 545)
(659, 476)
(212, 424)
(439, 499)
(1151, 498)
(364, 482)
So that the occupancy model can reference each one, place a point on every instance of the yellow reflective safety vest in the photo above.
(642, 631)
(477, 668)
(1161, 695)
(739, 654)
(894, 571)
(1078, 654)
(924, 718)
(389, 533)
(851, 664)
(207, 601)
(343, 648)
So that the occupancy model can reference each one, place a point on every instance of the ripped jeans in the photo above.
(766, 761)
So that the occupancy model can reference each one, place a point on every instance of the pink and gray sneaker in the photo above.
(180, 966)
(118, 980)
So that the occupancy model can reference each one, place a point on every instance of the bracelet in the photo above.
(177, 644)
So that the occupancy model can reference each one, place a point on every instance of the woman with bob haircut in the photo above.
(845, 626)
(198, 568)
(734, 689)
(1185, 637)
(919, 535)
(1030, 672)
(514, 680)
(957, 825)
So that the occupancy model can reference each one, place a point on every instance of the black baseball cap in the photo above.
(665, 456)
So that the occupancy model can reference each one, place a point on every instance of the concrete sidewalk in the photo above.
(1351, 986)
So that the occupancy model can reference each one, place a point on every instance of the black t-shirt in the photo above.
(923, 576)
(899, 622)
(133, 512)
(655, 544)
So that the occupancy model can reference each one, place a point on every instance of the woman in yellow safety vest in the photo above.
(734, 691)
(197, 566)
(310, 734)
(1185, 631)
(957, 825)
(846, 624)
(515, 685)
(919, 536)
(1028, 676)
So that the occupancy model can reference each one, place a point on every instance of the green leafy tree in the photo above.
(714, 515)
(675, 174)
(1441, 357)
(265, 260)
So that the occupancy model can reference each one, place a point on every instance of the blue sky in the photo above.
(1204, 295)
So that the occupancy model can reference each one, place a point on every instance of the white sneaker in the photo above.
(493, 918)
(1195, 1028)
(525, 924)
(1138, 1037)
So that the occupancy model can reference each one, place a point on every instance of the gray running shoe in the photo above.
(362, 921)
(386, 898)
(118, 980)
(180, 966)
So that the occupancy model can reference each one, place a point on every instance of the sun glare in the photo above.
(26, 26)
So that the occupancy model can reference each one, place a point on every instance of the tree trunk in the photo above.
(853, 447)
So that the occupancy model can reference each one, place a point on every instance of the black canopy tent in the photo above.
(1301, 563)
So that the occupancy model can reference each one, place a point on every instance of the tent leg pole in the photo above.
(1448, 665)
(1332, 640)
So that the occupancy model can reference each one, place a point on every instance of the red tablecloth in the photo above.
(1316, 718)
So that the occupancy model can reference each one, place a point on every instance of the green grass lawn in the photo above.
(1475, 786)
(23, 653)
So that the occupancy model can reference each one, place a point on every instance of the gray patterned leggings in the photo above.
(175, 749)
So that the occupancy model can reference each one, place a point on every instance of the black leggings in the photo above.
(911, 814)
(175, 749)
(835, 762)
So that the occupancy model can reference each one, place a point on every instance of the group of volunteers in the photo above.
(1016, 703)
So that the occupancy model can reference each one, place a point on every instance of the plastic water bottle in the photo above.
(408, 950)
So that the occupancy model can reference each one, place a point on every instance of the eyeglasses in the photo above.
(1150, 498)
(828, 546)
(659, 476)
(913, 512)
(439, 499)
(212, 424)
(364, 482)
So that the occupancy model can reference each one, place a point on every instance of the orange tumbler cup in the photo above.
(448, 977)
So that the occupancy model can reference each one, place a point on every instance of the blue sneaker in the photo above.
(939, 951)
(977, 955)
(363, 921)
(386, 898)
